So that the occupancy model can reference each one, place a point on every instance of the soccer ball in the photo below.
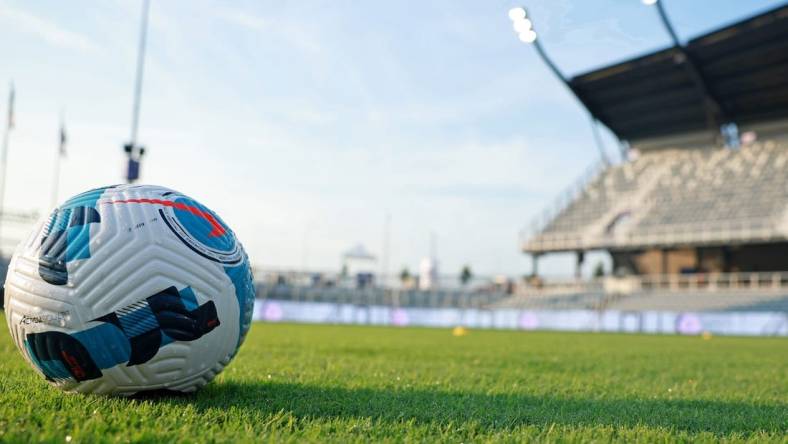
(129, 288)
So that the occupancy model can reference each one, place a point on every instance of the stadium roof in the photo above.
(738, 73)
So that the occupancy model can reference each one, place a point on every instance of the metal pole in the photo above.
(540, 50)
(133, 151)
(664, 17)
(598, 140)
(551, 65)
(714, 111)
(4, 158)
(594, 120)
(58, 154)
(135, 117)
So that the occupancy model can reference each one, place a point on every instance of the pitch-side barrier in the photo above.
(654, 322)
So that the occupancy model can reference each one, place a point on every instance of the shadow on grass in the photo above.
(493, 412)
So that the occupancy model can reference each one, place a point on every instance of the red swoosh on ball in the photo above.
(218, 229)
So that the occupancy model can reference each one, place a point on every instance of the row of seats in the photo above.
(720, 186)
(697, 189)
(652, 300)
(380, 296)
(599, 196)
(570, 301)
(702, 301)
(591, 299)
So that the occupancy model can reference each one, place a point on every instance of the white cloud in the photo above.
(294, 34)
(243, 19)
(46, 30)
(281, 120)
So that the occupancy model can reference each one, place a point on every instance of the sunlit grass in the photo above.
(340, 383)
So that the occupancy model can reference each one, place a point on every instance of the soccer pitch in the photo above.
(341, 383)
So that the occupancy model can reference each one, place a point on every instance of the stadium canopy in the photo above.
(736, 74)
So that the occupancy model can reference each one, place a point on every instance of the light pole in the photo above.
(9, 125)
(523, 27)
(132, 150)
(715, 114)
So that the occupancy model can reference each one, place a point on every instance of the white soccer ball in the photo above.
(129, 288)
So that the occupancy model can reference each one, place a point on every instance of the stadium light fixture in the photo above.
(528, 36)
(517, 14)
(649, 2)
(523, 26)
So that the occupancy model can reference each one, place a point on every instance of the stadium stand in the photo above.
(705, 185)
(679, 293)
(669, 196)
(702, 301)
(385, 296)
(724, 292)
(695, 219)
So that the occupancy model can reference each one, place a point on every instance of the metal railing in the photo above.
(557, 294)
(715, 232)
(272, 276)
(392, 297)
(714, 282)
(563, 200)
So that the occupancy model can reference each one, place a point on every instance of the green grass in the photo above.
(342, 384)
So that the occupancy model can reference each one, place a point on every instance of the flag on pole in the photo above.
(63, 139)
(11, 108)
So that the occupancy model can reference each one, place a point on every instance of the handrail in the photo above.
(563, 200)
(714, 282)
(595, 294)
(690, 282)
(694, 233)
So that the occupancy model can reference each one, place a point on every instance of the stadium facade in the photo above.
(704, 187)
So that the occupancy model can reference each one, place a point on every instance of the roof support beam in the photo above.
(594, 117)
(715, 114)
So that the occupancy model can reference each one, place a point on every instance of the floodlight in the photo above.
(517, 14)
(649, 2)
(528, 36)
(522, 25)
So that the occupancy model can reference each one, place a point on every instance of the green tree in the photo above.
(466, 275)
(404, 275)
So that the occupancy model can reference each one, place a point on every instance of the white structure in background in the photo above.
(359, 265)
(428, 274)
(428, 268)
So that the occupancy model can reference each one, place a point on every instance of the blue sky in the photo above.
(304, 123)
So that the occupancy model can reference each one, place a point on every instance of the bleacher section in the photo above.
(591, 300)
(600, 196)
(746, 186)
(379, 296)
(740, 292)
(701, 301)
(714, 195)
(593, 297)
